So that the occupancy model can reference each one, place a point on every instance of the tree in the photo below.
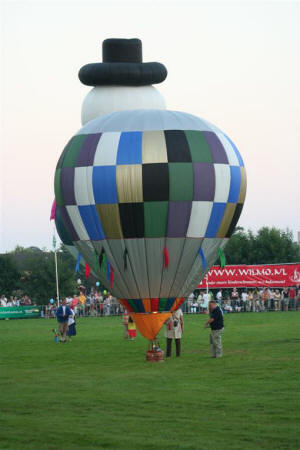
(268, 246)
(238, 249)
(9, 275)
(274, 245)
(37, 270)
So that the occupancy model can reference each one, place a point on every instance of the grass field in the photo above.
(98, 392)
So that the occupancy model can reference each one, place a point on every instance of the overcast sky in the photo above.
(235, 64)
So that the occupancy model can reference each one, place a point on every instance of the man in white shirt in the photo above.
(69, 300)
(219, 297)
(206, 299)
(244, 298)
(190, 302)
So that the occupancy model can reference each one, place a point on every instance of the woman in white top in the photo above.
(72, 325)
(174, 330)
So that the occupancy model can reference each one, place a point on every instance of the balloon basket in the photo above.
(154, 352)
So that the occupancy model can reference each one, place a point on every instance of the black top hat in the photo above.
(122, 65)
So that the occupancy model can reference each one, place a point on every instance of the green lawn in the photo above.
(98, 391)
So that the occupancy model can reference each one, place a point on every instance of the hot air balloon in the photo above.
(151, 195)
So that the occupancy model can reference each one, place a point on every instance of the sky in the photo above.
(233, 63)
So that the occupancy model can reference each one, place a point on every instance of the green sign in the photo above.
(20, 312)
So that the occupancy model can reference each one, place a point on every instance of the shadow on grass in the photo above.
(281, 341)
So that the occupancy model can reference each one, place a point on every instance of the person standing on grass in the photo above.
(125, 319)
(205, 302)
(244, 300)
(219, 297)
(216, 324)
(297, 299)
(62, 314)
(277, 298)
(71, 325)
(131, 329)
(292, 295)
(81, 303)
(264, 297)
(174, 330)
(285, 299)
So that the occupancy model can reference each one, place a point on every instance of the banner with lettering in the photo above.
(273, 275)
(19, 312)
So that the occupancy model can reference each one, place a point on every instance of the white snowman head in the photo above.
(122, 81)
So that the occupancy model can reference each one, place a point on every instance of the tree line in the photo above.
(267, 246)
(31, 270)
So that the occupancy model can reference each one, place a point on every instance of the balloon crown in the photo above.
(122, 66)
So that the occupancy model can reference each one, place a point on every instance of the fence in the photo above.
(237, 306)
(188, 307)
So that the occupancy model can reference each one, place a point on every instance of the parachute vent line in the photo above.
(203, 260)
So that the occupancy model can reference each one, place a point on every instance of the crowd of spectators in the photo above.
(246, 300)
(14, 301)
(96, 303)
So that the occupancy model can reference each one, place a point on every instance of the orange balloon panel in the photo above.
(150, 324)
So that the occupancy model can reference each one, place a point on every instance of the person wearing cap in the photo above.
(216, 324)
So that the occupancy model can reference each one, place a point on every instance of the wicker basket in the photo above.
(154, 352)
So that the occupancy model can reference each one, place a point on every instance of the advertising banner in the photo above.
(273, 275)
(20, 312)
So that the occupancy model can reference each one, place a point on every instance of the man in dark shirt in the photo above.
(216, 324)
(62, 314)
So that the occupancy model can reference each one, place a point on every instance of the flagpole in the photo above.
(56, 271)
(52, 217)
(56, 276)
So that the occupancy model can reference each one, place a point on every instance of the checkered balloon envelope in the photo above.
(135, 187)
